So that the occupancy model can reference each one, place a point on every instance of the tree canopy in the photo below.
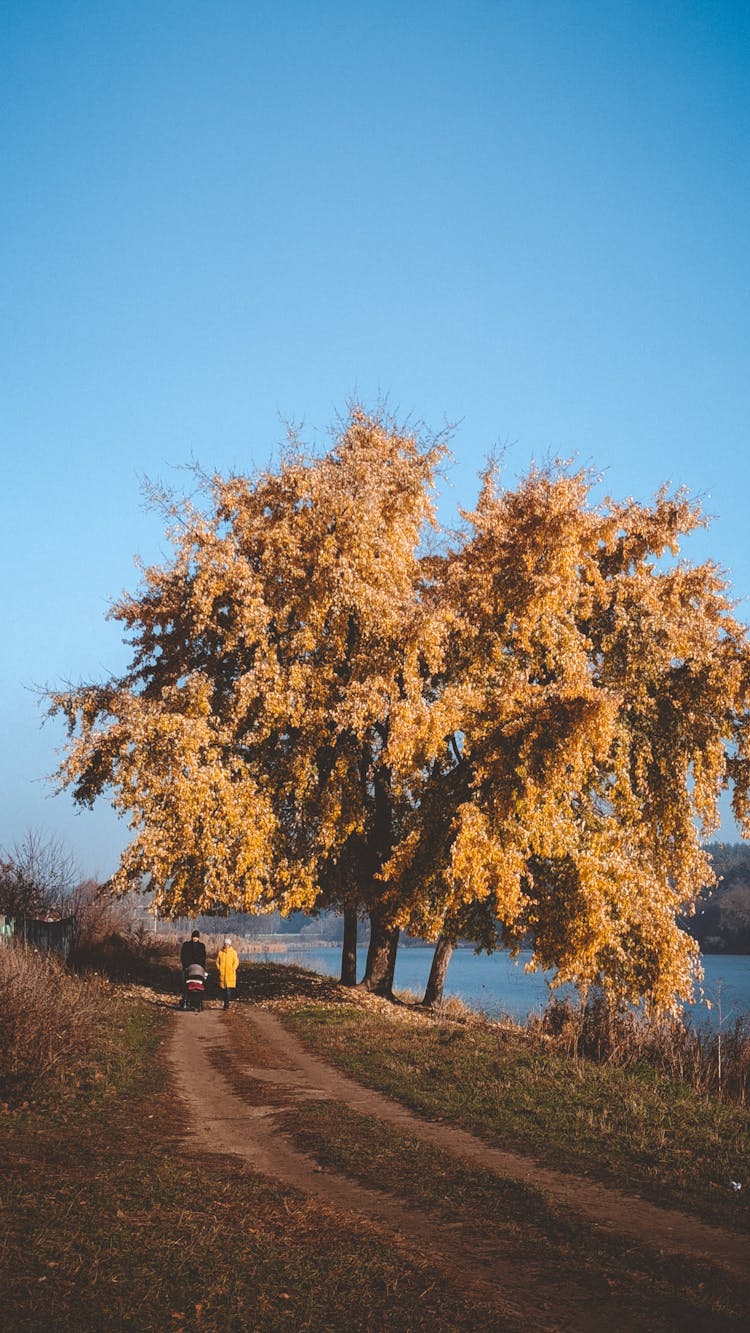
(514, 733)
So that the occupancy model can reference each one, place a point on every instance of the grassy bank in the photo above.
(634, 1128)
(512, 1218)
(576, 1266)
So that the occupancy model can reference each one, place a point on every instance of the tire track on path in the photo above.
(665, 1229)
(221, 1121)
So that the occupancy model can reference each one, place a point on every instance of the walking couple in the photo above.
(193, 955)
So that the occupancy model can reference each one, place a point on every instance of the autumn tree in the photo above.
(248, 741)
(519, 736)
(594, 695)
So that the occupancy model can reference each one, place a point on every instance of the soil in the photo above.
(224, 1120)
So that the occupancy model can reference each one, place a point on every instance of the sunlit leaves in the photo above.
(599, 690)
(244, 744)
(519, 734)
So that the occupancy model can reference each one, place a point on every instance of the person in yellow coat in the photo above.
(227, 963)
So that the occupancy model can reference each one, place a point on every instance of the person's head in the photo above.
(195, 935)
(227, 942)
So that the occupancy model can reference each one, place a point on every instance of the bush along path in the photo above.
(544, 1249)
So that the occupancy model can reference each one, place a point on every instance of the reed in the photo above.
(715, 1061)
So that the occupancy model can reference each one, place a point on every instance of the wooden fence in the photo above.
(46, 936)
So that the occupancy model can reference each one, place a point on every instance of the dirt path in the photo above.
(223, 1122)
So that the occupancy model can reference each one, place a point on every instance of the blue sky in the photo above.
(528, 218)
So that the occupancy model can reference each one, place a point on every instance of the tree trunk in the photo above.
(381, 956)
(349, 950)
(433, 995)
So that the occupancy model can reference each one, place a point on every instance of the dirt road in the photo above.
(223, 1121)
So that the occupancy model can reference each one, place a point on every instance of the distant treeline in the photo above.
(722, 916)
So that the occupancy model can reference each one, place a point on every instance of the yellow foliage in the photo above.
(530, 727)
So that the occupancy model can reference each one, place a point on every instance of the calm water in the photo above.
(497, 985)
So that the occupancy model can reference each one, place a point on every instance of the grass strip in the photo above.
(517, 1221)
(632, 1128)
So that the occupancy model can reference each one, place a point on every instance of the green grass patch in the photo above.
(633, 1128)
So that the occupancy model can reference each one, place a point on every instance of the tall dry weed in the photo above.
(52, 1026)
(715, 1062)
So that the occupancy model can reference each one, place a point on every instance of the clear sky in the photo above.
(527, 217)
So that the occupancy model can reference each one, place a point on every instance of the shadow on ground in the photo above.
(277, 981)
(122, 960)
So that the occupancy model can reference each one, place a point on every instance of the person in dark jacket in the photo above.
(192, 951)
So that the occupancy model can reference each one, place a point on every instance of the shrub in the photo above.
(98, 914)
(134, 955)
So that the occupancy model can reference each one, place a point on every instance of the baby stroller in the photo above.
(195, 987)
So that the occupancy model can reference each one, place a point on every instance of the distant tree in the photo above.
(721, 923)
(37, 876)
(730, 862)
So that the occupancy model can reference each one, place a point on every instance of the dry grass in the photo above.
(716, 1063)
(51, 1028)
(636, 1128)
(511, 1223)
(107, 1221)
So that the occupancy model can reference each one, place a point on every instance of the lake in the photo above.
(496, 985)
